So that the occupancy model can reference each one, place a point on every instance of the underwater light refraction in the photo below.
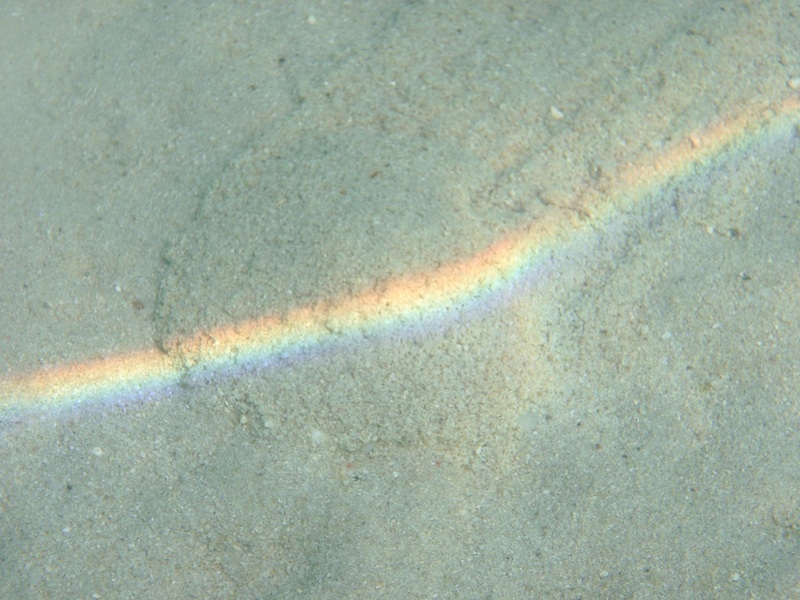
(403, 303)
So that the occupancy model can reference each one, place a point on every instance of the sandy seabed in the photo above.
(617, 420)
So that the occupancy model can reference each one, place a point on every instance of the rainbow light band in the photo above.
(392, 305)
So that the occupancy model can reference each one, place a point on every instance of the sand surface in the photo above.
(619, 420)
